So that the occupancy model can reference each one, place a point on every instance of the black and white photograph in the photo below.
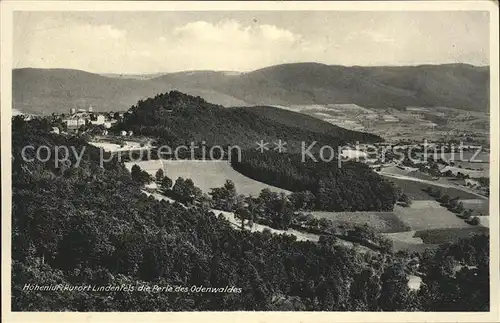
(290, 158)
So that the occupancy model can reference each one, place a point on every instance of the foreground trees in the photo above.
(93, 226)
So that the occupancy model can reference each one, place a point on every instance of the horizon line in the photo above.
(243, 72)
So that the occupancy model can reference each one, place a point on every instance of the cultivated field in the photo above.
(438, 236)
(471, 173)
(429, 214)
(414, 189)
(205, 174)
(407, 226)
(408, 241)
(480, 207)
(421, 215)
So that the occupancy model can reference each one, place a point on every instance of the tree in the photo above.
(405, 200)
(224, 198)
(394, 295)
(474, 220)
(139, 175)
(303, 200)
(243, 214)
(159, 175)
(467, 214)
(165, 184)
(185, 191)
(445, 199)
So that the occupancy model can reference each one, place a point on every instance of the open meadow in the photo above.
(205, 174)
(380, 221)
(479, 207)
(450, 235)
(415, 189)
(423, 225)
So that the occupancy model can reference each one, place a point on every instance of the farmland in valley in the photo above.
(424, 215)
(479, 207)
(421, 215)
(438, 236)
(423, 225)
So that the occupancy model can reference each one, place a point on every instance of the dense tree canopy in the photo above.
(352, 186)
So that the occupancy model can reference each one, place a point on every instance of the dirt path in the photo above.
(236, 223)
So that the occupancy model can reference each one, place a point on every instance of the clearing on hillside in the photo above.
(205, 174)
(380, 221)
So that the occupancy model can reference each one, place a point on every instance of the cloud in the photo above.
(107, 31)
(231, 45)
(377, 37)
(231, 33)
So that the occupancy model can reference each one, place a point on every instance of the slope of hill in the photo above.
(44, 91)
(453, 85)
(457, 85)
(300, 120)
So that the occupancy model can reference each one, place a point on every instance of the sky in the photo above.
(158, 42)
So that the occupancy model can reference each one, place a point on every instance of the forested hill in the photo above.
(180, 118)
(92, 226)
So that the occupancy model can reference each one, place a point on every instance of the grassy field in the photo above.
(423, 215)
(205, 174)
(408, 241)
(450, 235)
(383, 222)
(480, 207)
(415, 191)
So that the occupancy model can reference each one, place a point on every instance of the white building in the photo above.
(74, 123)
(100, 120)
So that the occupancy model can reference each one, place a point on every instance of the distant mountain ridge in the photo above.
(460, 86)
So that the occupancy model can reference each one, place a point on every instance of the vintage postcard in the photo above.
(250, 161)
